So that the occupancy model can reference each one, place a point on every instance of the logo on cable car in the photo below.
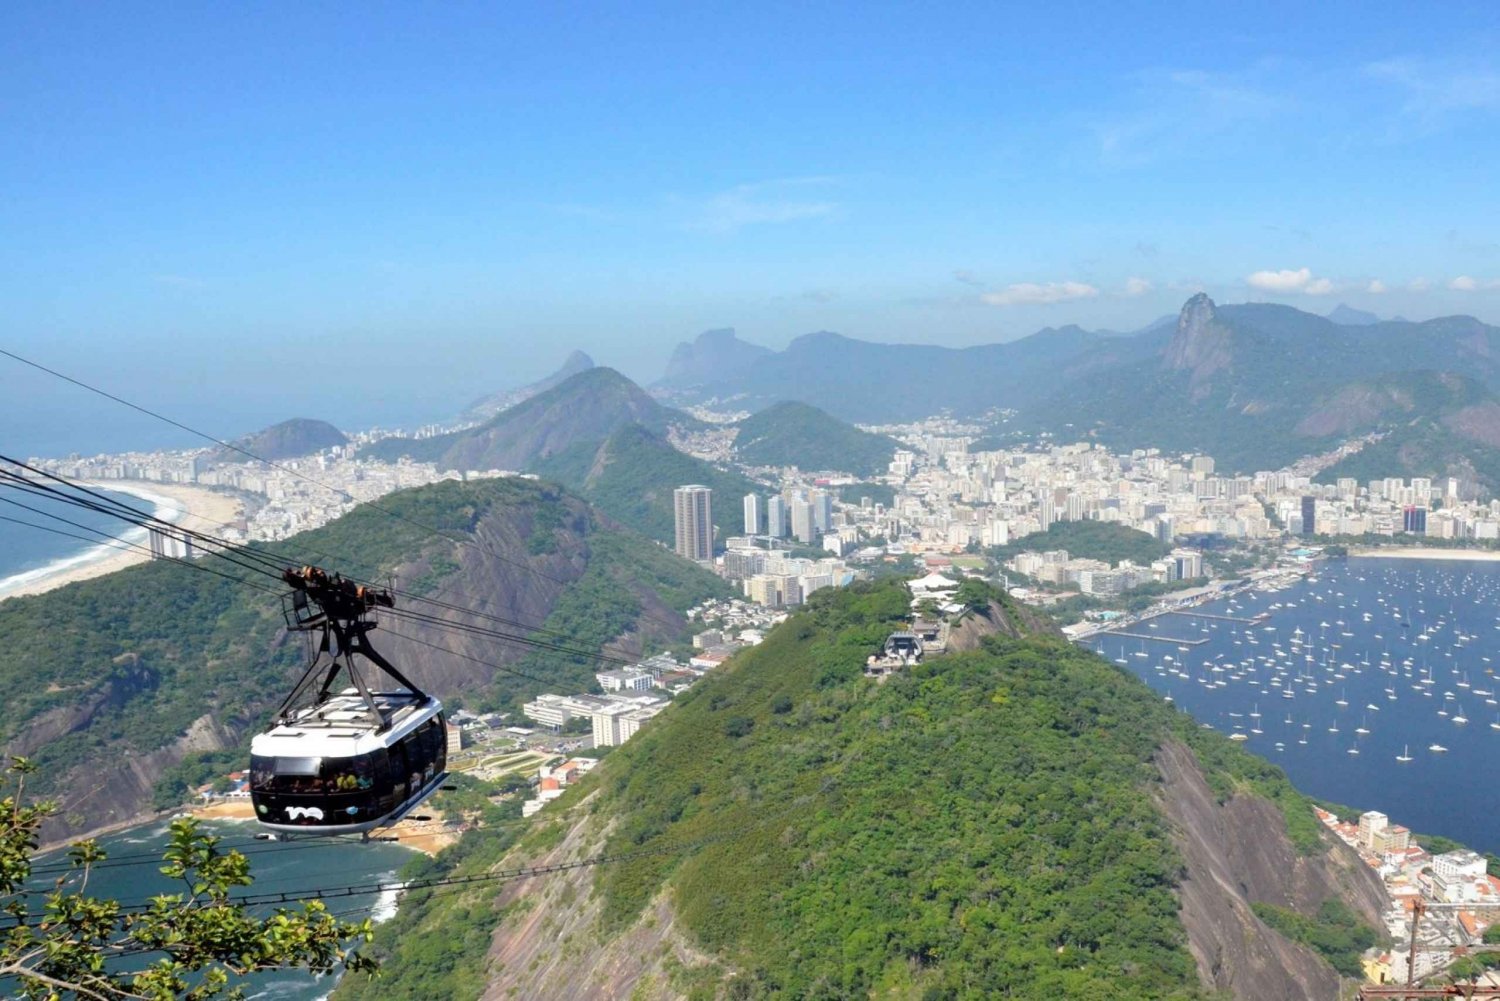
(301, 812)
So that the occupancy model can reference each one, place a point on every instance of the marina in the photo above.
(1371, 682)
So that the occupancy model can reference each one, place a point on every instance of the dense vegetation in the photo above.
(980, 826)
(976, 825)
(435, 945)
(631, 476)
(879, 493)
(1095, 540)
(1336, 933)
(795, 434)
(122, 665)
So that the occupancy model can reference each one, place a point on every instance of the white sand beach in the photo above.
(192, 507)
(1427, 553)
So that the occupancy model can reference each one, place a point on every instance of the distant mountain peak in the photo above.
(1350, 317)
(491, 404)
(709, 357)
(1202, 343)
(290, 439)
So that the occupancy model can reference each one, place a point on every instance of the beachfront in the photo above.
(430, 836)
(1427, 553)
(189, 506)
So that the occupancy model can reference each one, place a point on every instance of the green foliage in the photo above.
(631, 477)
(978, 825)
(879, 493)
(124, 664)
(795, 434)
(177, 783)
(191, 944)
(1337, 934)
(1095, 540)
(605, 603)
(436, 945)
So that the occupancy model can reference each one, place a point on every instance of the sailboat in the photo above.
(1459, 716)
(1405, 754)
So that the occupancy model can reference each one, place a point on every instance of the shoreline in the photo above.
(422, 837)
(1426, 553)
(182, 504)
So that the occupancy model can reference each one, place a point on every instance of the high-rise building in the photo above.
(1414, 520)
(803, 525)
(822, 502)
(695, 524)
(753, 514)
(1309, 515)
(776, 516)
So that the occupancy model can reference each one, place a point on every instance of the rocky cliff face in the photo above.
(1201, 345)
(1236, 854)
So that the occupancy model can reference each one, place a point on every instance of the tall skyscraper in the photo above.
(776, 516)
(753, 515)
(803, 526)
(1309, 515)
(695, 523)
(822, 502)
(1414, 520)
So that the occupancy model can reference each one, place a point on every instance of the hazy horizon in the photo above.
(344, 214)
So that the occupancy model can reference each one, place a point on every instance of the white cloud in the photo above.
(1279, 281)
(1420, 285)
(1031, 293)
(1376, 286)
(1137, 286)
(1463, 283)
(1287, 280)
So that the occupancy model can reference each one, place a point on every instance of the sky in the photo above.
(374, 213)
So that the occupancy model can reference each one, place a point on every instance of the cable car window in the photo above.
(348, 774)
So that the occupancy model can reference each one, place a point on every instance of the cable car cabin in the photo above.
(327, 771)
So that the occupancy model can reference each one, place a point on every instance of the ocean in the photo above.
(25, 549)
(276, 866)
(1407, 651)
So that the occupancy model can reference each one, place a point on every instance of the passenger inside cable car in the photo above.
(348, 793)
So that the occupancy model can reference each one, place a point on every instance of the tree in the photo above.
(62, 942)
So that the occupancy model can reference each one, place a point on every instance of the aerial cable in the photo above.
(431, 530)
(124, 545)
(272, 563)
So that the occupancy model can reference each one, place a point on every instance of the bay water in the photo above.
(1407, 651)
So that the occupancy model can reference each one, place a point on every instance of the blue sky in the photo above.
(407, 205)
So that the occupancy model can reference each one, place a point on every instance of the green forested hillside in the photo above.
(795, 434)
(982, 826)
(584, 409)
(116, 670)
(1095, 540)
(631, 477)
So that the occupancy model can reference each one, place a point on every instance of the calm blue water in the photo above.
(1371, 632)
(276, 866)
(23, 548)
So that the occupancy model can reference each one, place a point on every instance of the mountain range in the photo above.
(588, 406)
(1254, 385)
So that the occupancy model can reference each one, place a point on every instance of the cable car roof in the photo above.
(341, 726)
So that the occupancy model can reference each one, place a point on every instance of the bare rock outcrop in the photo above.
(552, 948)
(1237, 853)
